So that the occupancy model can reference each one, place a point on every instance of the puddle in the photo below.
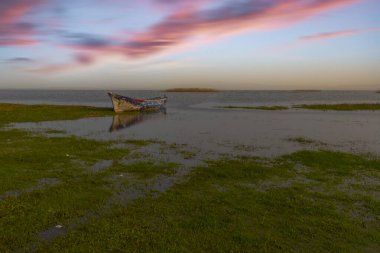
(102, 165)
(52, 233)
(42, 183)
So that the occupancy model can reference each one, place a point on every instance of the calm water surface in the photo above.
(99, 98)
(194, 119)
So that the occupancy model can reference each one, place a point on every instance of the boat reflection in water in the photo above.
(122, 121)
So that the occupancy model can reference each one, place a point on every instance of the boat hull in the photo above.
(125, 104)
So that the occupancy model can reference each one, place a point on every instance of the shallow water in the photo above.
(194, 120)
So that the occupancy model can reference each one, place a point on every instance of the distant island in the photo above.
(306, 90)
(191, 90)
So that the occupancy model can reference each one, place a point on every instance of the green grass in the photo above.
(268, 108)
(27, 158)
(340, 107)
(35, 113)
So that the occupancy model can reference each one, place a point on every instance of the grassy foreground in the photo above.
(246, 206)
(309, 201)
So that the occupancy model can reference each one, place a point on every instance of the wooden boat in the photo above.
(124, 104)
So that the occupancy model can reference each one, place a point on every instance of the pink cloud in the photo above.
(186, 23)
(317, 37)
(328, 35)
(183, 5)
(11, 10)
(84, 59)
(56, 68)
(80, 60)
(13, 30)
(229, 19)
(17, 42)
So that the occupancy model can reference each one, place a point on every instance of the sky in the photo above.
(158, 44)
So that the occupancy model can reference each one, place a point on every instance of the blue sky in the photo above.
(156, 44)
